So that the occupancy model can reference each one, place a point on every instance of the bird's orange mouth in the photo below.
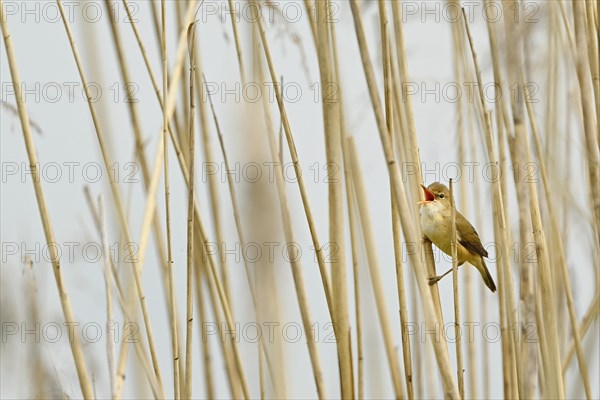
(428, 195)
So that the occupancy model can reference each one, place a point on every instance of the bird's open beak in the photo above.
(428, 196)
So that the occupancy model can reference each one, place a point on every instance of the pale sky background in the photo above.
(67, 136)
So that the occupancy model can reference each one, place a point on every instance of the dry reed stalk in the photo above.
(516, 71)
(38, 377)
(524, 358)
(212, 178)
(214, 279)
(261, 376)
(168, 107)
(410, 143)
(507, 307)
(238, 44)
(185, 115)
(569, 30)
(215, 205)
(590, 315)
(139, 346)
(352, 219)
(175, 77)
(543, 345)
(202, 268)
(217, 291)
(564, 273)
(135, 123)
(139, 146)
(590, 123)
(483, 292)
(213, 184)
(410, 138)
(459, 355)
(110, 350)
(505, 280)
(155, 23)
(333, 149)
(310, 7)
(390, 104)
(208, 156)
(457, 41)
(190, 220)
(166, 179)
(407, 352)
(400, 120)
(140, 42)
(403, 310)
(311, 12)
(406, 136)
(432, 317)
(556, 254)
(401, 132)
(593, 37)
(233, 359)
(202, 319)
(154, 7)
(295, 161)
(295, 264)
(84, 381)
(150, 211)
(240, 232)
(116, 196)
(500, 229)
(374, 268)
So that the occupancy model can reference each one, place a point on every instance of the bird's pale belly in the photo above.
(437, 227)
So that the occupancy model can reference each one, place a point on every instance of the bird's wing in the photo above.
(468, 237)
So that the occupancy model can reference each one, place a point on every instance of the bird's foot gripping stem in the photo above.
(434, 279)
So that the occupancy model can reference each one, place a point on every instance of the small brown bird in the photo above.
(436, 214)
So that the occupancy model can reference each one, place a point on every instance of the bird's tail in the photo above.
(485, 274)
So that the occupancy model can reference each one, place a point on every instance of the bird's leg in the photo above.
(436, 279)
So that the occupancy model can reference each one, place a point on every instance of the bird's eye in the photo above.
(441, 195)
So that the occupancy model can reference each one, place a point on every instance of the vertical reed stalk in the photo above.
(110, 350)
(459, 53)
(216, 287)
(561, 253)
(202, 320)
(521, 140)
(125, 307)
(116, 197)
(165, 139)
(190, 220)
(139, 141)
(459, 355)
(295, 161)
(240, 232)
(396, 234)
(238, 44)
(500, 228)
(84, 380)
(295, 264)
(507, 308)
(374, 268)
(590, 124)
(352, 222)
(432, 317)
(352, 219)
(333, 148)
(413, 159)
